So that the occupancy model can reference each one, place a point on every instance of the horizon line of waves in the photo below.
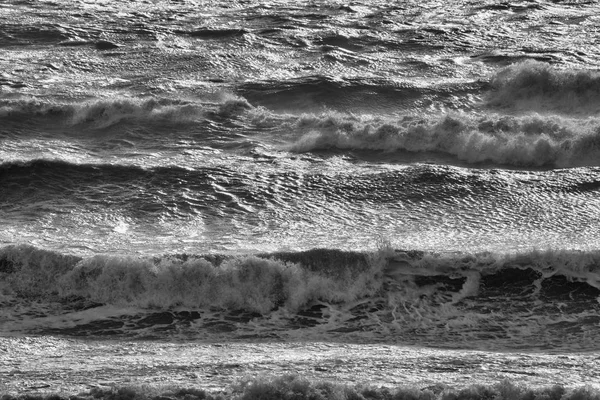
(264, 283)
(538, 86)
(102, 113)
(512, 140)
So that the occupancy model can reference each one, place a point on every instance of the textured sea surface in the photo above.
(366, 173)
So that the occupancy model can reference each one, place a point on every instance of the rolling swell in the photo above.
(19, 35)
(104, 113)
(258, 283)
(144, 192)
(547, 296)
(493, 122)
(522, 87)
(133, 186)
(105, 184)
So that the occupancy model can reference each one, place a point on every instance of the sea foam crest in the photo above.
(292, 281)
(251, 283)
(106, 112)
(527, 140)
(575, 266)
(537, 86)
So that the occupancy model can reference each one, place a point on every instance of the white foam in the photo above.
(528, 140)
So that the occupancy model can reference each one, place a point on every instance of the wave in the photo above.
(81, 173)
(146, 193)
(522, 87)
(318, 92)
(104, 113)
(523, 141)
(251, 283)
(297, 387)
(533, 140)
(360, 95)
(40, 33)
(528, 115)
(264, 282)
(538, 298)
(538, 86)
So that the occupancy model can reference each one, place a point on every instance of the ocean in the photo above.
(296, 199)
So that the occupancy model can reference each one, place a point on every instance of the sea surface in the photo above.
(405, 173)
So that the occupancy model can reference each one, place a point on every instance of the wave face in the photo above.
(519, 141)
(542, 300)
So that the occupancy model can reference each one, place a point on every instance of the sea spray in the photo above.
(504, 300)
(537, 86)
(296, 387)
(481, 136)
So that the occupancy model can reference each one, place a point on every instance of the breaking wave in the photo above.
(529, 114)
(525, 141)
(265, 282)
(252, 283)
(541, 298)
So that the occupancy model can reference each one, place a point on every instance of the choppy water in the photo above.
(166, 169)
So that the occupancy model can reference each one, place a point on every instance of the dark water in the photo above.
(168, 168)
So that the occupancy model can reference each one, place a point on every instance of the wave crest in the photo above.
(530, 141)
(537, 86)
(105, 112)
(257, 284)
(531, 299)
(262, 283)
